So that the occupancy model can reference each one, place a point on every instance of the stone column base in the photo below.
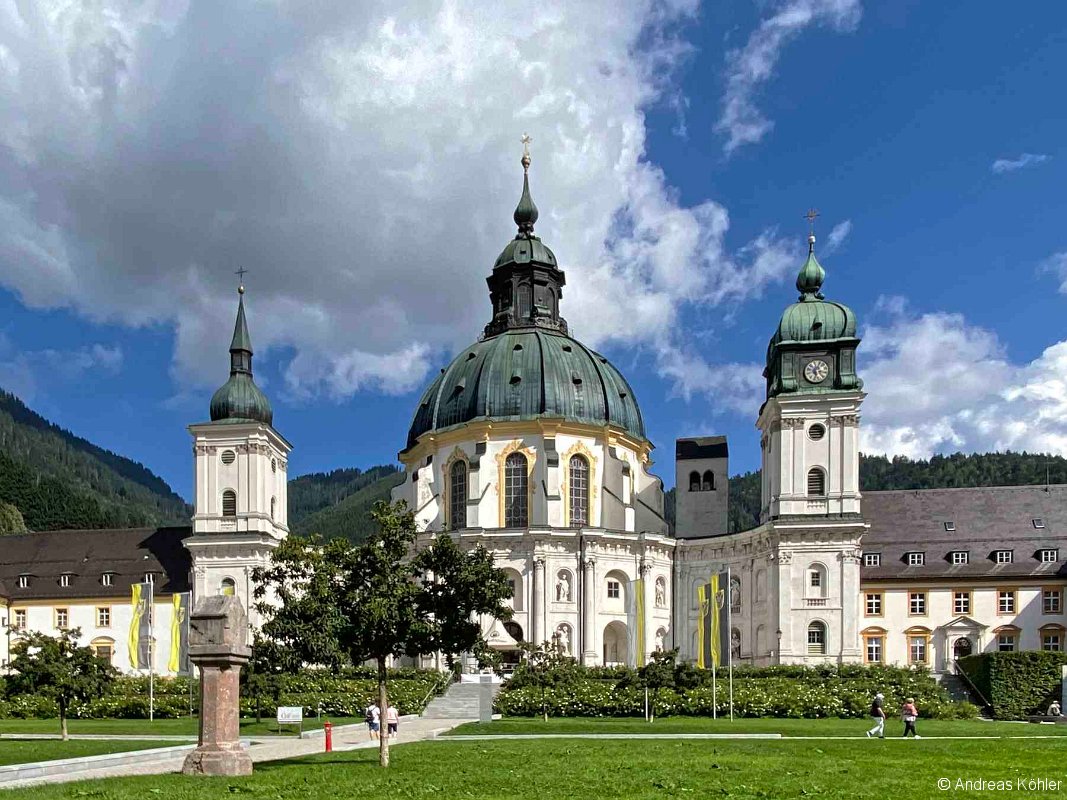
(218, 760)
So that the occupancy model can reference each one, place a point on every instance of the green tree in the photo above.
(339, 603)
(662, 671)
(57, 667)
(545, 666)
(11, 520)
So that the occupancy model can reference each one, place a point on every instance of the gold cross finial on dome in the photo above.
(812, 214)
(240, 273)
(526, 151)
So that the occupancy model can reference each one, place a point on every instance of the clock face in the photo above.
(816, 371)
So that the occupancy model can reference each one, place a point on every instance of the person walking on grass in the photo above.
(373, 720)
(392, 719)
(909, 713)
(878, 715)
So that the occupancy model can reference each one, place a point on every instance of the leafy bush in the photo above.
(1017, 684)
(786, 691)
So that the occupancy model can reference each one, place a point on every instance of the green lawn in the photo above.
(546, 769)
(786, 727)
(161, 727)
(24, 752)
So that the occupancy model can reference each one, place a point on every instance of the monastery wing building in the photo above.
(533, 445)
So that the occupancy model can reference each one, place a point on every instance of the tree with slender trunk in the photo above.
(335, 603)
(58, 668)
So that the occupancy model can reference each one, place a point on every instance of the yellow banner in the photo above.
(135, 626)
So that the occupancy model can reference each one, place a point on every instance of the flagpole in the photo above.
(151, 652)
(731, 687)
(714, 694)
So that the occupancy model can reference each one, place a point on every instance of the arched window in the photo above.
(816, 580)
(273, 503)
(816, 482)
(457, 496)
(578, 493)
(694, 481)
(229, 503)
(817, 639)
(516, 492)
(228, 587)
(708, 484)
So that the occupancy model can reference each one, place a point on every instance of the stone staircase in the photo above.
(459, 702)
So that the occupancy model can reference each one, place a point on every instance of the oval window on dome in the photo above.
(228, 456)
(816, 432)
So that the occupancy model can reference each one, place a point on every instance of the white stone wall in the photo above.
(945, 626)
(41, 617)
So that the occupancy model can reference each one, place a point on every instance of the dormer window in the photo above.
(960, 557)
(916, 558)
(950, 526)
(1002, 556)
(107, 578)
(64, 580)
(1048, 555)
(24, 582)
(872, 559)
(1038, 522)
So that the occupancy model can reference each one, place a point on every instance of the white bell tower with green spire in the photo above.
(241, 469)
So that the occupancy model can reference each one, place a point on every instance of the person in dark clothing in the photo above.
(878, 715)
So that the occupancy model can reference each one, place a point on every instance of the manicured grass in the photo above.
(786, 727)
(547, 769)
(185, 726)
(25, 752)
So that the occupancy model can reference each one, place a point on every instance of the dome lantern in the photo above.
(239, 399)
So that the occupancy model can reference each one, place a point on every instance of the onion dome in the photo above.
(811, 323)
(526, 366)
(239, 399)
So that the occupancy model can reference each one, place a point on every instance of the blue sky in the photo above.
(364, 169)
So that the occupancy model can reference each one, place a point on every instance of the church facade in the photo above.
(533, 445)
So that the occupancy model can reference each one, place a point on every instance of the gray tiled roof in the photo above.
(127, 553)
(985, 519)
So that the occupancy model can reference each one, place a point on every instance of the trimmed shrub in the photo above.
(1018, 684)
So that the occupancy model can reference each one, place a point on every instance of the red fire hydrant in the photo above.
(328, 727)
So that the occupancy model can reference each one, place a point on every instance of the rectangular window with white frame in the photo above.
(103, 616)
(960, 557)
(917, 649)
(18, 617)
(1050, 556)
(874, 604)
(614, 590)
(1052, 600)
(1006, 642)
(916, 559)
(1006, 601)
(1003, 556)
(872, 559)
(961, 603)
(62, 619)
(917, 604)
(874, 649)
(1052, 641)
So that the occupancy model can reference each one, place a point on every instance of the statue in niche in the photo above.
(660, 634)
(661, 593)
(735, 644)
(563, 636)
(735, 594)
(563, 587)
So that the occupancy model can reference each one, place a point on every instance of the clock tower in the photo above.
(809, 423)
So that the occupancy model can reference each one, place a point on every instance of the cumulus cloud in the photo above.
(1057, 264)
(837, 236)
(1002, 165)
(936, 383)
(751, 66)
(361, 160)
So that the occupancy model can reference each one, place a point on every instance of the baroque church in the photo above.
(533, 445)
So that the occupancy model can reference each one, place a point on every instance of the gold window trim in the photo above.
(1058, 590)
(914, 633)
(926, 603)
(55, 618)
(515, 446)
(970, 601)
(446, 485)
(1014, 592)
(874, 632)
(579, 449)
(97, 610)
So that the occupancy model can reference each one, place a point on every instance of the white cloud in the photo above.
(1057, 263)
(938, 384)
(23, 373)
(837, 236)
(1002, 165)
(753, 65)
(362, 161)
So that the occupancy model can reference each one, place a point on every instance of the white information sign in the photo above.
(290, 715)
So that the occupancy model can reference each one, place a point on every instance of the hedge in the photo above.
(345, 693)
(1017, 684)
(797, 692)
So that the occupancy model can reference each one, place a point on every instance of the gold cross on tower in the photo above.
(240, 273)
(810, 217)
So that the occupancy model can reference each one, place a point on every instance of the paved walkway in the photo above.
(488, 737)
(349, 737)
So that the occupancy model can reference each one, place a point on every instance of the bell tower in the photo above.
(809, 423)
(240, 463)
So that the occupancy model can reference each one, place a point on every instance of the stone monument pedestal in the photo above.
(218, 629)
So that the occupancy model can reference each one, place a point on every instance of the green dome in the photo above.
(813, 318)
(239, 399)
(526, 251)
(527, 374)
